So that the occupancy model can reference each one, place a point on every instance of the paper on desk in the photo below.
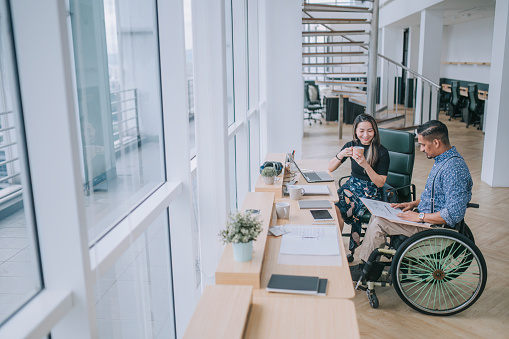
(383, 209)
(310, 240)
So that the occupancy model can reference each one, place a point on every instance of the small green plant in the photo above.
(269, 172)
(241, 228)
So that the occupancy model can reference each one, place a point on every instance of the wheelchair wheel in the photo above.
(372, 298)
(439, 272)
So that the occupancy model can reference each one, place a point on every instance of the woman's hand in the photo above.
(360, 159)
(347, 152)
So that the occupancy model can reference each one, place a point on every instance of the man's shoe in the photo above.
(356, 272)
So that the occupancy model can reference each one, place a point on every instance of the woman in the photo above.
(369, 172)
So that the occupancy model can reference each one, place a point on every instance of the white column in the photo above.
(495, 161)
(430, 46)
(211, 129)
(388, 40)
(284, 86)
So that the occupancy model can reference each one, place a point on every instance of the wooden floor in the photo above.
(489, 316)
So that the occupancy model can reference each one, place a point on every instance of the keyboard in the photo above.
(313, 176)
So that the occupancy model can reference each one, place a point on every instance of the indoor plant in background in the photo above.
(268, 175)
(241, 230)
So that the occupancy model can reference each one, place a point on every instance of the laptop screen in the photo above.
(293, 161)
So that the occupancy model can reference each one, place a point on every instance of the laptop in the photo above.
(313, 176)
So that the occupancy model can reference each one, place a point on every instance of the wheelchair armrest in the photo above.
(341, 179)
(470, 204)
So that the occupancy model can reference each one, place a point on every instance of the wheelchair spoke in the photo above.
(449, 293)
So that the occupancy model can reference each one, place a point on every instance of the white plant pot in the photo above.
(268, 180)
(243, 251)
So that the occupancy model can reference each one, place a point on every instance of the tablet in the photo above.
(319, 215)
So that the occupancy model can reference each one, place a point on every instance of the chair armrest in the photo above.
(341, 179)
(412, 190)
(470, 204)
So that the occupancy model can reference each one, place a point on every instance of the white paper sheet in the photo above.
(310, 240)
(383, 209)
(312, 189)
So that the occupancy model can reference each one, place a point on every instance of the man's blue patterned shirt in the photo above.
(453, 187)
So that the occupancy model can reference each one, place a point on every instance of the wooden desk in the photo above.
(231, 272)
(483, 95)
(317, 165)
(339, 279)
(221, 313)
(301, 318)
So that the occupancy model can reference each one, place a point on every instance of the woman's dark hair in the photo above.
(374, 146)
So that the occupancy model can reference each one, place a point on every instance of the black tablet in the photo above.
(320, 215)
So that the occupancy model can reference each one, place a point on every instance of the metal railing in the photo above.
(401, 89)
(125, 118)
(9, 161)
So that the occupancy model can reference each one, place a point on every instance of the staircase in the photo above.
(335, 49)
(339, 54)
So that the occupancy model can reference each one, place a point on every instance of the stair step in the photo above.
(333, 8)
(333, 64)
(331, 74)
(342, 83)
(334, 21)
(334, 54)
(349, 92)
(332, 44)
(334, 33)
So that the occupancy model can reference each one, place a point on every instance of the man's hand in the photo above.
(405, 206)
(410, 216)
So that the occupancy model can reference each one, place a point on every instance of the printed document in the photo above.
(310, 240)
(383, 209)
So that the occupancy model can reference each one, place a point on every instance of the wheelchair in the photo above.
(436, 272)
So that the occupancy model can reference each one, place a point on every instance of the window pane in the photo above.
(233, 173)
(188, 26)
(229, 61)
(20, 278)
(118, 90)
(134, 298)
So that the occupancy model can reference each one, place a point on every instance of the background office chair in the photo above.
(475, 110)
(312, 103)
(398, 186)
(457, 101)
(445, 99)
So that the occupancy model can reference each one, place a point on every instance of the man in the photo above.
(443, 201)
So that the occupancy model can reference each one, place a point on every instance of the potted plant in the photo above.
(268, 175)
(241, 229)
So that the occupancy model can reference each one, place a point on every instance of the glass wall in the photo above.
(134, 298)
(188, 31)
(118, 86)
(20, 276)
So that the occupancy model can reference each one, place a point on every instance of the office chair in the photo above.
(398, 186)
(445, 99)
(475, 110)
(312, 103)
(457, 101)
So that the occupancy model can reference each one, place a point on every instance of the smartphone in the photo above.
(321, 215)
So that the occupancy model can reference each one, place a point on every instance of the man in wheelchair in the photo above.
(444, 199)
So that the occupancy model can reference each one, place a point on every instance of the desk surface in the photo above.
(301, 318)
(339, 279)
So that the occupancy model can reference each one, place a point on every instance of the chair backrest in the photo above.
(473, 97)
(455, 91)
(401, 147)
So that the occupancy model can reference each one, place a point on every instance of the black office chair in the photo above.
(445, 99)
(398, 186)
(475, 110)
(312, 103)
(457, 101)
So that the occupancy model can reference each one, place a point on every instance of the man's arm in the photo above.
(431, 218)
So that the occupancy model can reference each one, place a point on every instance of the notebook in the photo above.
(312, 176)
(314, 204)
(293, 284)
(313, 189)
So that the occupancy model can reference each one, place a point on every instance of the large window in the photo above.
(20, 276)
(117, 77)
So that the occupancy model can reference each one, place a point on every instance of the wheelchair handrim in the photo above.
(441, 281)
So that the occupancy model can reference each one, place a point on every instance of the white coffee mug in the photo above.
(283, 210)
(296, 192)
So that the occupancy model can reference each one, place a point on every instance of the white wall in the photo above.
(470, 42)
(284, 86)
